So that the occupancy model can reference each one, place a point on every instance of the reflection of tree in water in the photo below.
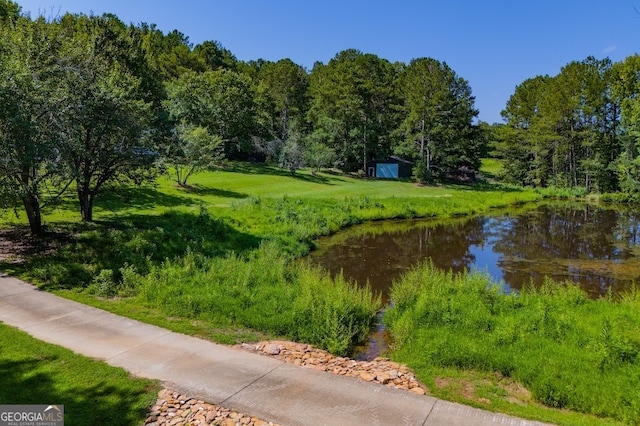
(447, 245)
(557, 232)
(381, 258)
(583, 244)
(593, 246)
(627, 231)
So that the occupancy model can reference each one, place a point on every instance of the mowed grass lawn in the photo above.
(492, 168)
(93, 393)
(271, 182)
(224, 188)
(227, 188)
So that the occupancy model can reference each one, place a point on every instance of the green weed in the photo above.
(554, 340)
(563, 193)
(264, 292)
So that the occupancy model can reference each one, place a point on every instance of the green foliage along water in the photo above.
(264, 292)
(570, 351)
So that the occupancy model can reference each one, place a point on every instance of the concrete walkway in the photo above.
(256, 385)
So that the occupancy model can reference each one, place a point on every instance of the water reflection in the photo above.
(591, 245)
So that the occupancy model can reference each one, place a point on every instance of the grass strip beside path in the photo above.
(92, 392)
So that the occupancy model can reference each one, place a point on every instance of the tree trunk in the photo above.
(86, 204)
(364, 150)
(422, 139)
(32, 207)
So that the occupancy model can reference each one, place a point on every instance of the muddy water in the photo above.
(597, 247)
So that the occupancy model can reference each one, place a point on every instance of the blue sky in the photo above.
(494, 44)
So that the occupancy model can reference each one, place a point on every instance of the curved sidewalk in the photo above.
(257, 385)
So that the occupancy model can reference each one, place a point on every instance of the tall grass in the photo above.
(265, 292)
(105, 247)
(563, 193)
(571, 352)
(620, 197)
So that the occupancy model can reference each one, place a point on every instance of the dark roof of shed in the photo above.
(400, 160)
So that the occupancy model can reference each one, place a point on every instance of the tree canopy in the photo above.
(437, 129)
(29, 139)
(575, 129)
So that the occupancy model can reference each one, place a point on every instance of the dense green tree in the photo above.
(285, 86)
(9, 12)
(215, 56)
(29, 112)
(625, 89)
(352, 106)
(220, 101)
(565, 128)
(438, 113)
(627, 169)
(105, 124)
(525, 150)
(252, 68)
(574, 111)
(171, 54)
(601, 143)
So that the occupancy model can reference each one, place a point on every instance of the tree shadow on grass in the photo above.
(223, 193)
(312, 178)
(101, 403)
(121, 198)
(263, 169)
(134, 241)
(481, 187)
(174, 232)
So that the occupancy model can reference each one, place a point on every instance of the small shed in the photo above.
(390, 168)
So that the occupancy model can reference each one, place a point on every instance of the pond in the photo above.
(597, 247)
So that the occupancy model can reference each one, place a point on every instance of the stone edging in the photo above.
(172, 408)
(380, 370)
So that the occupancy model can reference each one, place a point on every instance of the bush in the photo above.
(330, 312)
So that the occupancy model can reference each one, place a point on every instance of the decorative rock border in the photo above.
(380, 370)
(172, 408)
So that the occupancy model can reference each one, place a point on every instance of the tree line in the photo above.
(87, 101)
(579, 128)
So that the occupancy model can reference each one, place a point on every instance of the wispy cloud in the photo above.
(610, 49)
